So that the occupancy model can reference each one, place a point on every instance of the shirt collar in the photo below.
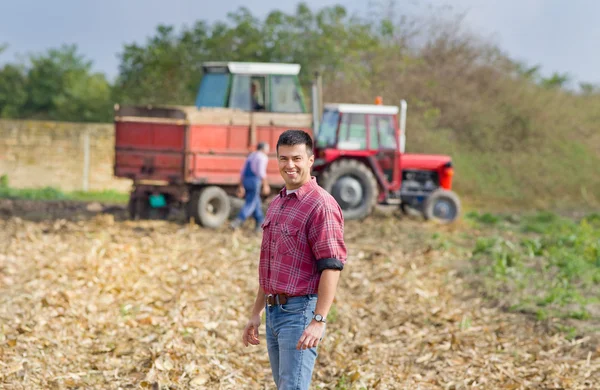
(305, 189)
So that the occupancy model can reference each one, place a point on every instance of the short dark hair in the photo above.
(296, 137)
(261, 146)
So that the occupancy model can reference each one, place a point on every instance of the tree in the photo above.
(57, 85)
(557, 80)
(167, 69)
(589, 88)
(13, 93)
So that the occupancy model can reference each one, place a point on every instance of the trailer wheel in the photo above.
(353, 186)
(209, 206)
(442, 206)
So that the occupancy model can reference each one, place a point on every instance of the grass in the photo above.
(558, 175)
(542, 263)
(51, 193)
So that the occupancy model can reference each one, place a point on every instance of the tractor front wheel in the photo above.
(353, 186)
(209, 206)
(442, 206)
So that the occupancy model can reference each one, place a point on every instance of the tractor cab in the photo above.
(366, 132)
(255, 87)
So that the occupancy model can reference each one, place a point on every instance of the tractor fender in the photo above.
(369, 161)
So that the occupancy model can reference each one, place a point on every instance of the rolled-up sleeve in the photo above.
(326, 237)
(262, 166)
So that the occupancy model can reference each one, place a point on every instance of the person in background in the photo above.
(256, 96)
(253, 183)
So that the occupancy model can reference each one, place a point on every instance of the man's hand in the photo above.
(311, 336)
(241, 192)
(266, 189)
(250, 335)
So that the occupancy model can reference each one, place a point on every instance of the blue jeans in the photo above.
(253, 201)
(292, 368)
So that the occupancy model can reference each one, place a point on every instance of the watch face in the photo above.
(318, 317)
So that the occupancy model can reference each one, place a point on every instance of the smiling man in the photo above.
(301, 257)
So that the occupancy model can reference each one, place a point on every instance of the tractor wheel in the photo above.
(442, 206)
(353, 186)
(209, 206)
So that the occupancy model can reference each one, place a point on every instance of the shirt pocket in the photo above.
(288, 239)
(266, 227)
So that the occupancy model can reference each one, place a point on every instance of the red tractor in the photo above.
(360, 160)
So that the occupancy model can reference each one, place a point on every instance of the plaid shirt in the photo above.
(303, 234)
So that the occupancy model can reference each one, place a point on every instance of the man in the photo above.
(257, 100)
(302, 254)
(253, 182)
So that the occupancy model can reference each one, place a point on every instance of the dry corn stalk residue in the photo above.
(105, 303)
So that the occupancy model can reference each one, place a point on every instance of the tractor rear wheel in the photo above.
(209, 206)
(442, 206)
(353, 186)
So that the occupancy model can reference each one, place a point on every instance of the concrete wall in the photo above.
(43, 153)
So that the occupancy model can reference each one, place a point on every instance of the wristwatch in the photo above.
(319, 318)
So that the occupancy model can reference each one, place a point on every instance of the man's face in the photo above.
(294, 165)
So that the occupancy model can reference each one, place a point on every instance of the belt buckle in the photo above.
(270, 296)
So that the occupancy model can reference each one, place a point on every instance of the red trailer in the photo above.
(192, 156)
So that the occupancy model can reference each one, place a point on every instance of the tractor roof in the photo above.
(363, 108)
(256, 67)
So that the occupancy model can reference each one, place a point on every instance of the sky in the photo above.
(560, 35)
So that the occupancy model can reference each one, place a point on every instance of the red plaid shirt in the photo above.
(303, 233)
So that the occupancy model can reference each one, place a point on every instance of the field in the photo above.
(91, 300)
(507, 298)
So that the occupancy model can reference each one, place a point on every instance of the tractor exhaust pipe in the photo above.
(403, 108)
(315, 108)
(316, 103)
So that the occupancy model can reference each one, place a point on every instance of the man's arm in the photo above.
(250, 335)
(327, 287)
(241, 191)
(262, 173)
(326, 238)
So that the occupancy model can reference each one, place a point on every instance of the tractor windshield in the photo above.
(328, 129)
(286, 94)
(353, 132)
(213, 90)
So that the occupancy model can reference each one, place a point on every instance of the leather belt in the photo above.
(276, 299)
